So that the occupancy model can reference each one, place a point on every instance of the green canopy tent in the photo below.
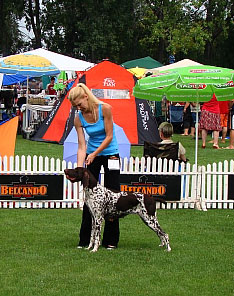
(147, 63)
(192, 84)
(188, 84)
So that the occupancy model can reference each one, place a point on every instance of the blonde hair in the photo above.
(79, 91)
(166, 129)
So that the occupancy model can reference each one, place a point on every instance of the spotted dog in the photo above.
(104, 203)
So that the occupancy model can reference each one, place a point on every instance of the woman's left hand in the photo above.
(90, 158)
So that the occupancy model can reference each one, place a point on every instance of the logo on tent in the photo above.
(205, 71)
(109, 82)
(190, 86)
(144, 116)
(225, 85)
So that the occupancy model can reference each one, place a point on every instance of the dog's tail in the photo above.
(159, 199)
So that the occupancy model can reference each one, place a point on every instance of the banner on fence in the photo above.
(230, 187)
(166, 187)
(31, 187)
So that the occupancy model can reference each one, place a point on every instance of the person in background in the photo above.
(188, 121)
(22, 99)
(231, 145)
(40, 86)
(224, 113)
(165, 132)
(95, 117)
(210, 121)
(195, 107)
(50, 87)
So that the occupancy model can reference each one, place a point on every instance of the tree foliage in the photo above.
(123, 30)
(10, 36)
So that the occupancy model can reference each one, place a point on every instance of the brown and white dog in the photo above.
(104, 203)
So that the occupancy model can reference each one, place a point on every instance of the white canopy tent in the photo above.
(179, 64)
(62, 62)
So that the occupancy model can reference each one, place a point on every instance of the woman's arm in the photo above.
(183, 157)
(108, 123)
(186, 106)
(81, 152)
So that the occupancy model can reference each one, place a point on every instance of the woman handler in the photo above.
(96, 118)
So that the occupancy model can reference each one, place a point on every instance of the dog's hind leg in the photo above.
(152, 223)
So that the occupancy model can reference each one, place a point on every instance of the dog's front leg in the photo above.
(92, 236)
(97, 234)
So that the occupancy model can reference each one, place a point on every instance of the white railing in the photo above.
(204, 187)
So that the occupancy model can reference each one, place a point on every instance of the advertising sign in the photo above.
(231, 187)
(165, 187)
(31, 187)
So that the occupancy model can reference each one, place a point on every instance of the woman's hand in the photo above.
(90, 158)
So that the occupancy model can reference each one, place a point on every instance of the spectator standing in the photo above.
(231, 145)
(50, 87)
(188, 121)
(210, 121)
(195, 107)
(224, 113)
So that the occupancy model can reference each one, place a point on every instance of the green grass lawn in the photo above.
(39, 255)
(205, 156)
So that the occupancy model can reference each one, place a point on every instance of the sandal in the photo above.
(215, 147)
(203, 146)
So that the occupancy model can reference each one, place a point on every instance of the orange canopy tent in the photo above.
(112, 84)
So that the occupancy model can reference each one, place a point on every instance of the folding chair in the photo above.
(158, 150)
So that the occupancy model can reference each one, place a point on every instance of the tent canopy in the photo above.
(146, 62)
(179, 64)
(62, 62)
(8, 131)
(112, 84)
(13, 79)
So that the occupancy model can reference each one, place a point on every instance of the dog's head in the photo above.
(80, 174)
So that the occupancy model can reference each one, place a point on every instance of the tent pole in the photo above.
(196, 135)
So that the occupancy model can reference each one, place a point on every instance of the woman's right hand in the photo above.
(90, 158)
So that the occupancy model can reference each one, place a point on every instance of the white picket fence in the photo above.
(204, 187)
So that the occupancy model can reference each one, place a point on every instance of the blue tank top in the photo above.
(97, 134)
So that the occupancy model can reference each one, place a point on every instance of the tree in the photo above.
(169, 29)
(122, 30)
(33, 15)
(91, 29)
(11, 39)
(216, 19)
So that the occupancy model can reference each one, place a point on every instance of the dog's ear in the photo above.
(85, 178)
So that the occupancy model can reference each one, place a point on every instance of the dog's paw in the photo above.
(168, 249)
(93, 250)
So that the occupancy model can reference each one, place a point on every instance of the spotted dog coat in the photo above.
(104, 203)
